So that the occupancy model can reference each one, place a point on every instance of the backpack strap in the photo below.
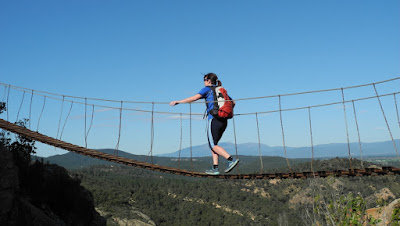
(205, 112)
(215, 104)
(215, 97)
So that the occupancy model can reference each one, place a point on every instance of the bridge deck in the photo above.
(117, 159)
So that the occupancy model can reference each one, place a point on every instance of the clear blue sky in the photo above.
(159, 50)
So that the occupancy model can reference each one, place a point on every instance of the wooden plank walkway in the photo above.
(145, 165)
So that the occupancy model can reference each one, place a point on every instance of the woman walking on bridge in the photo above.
(216, 125)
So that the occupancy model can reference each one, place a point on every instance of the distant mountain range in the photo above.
(248, 164)
(273, 157)
(385, 148)
(72, 160)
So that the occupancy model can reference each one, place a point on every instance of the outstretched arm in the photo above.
(187, 100)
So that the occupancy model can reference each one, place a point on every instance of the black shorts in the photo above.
(215, 129)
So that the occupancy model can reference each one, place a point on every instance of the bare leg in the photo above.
(218, 150)
(215, 157)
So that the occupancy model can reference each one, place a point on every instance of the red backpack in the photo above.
(223, 107)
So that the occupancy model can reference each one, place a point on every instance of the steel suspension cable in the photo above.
(85, 122)
(347, 130)
(190, 125)
(241, 114)
(358, 133)
(251, 98)
(180, 143)
(152, 132)
(66, 119)
(283, 135)
(387, 124)
(59, 120)
(119, 131)
(41, 113)
(4, 94)
(30, 111)
(317, 91)
(8, 106)
(78, 97)
(259, 146)
(315, 106)
(125, 109)
(91, 122)
(397, 110)
(150, 153)
(311, 139)
(236, 149)
(20, 106)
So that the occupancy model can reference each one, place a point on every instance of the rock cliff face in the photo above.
(42, 195)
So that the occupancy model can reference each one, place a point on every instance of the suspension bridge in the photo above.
(58, 142)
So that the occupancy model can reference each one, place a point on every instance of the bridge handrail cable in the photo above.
(240, 99)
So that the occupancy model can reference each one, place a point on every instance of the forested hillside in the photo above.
(248, 164)
(166, 199)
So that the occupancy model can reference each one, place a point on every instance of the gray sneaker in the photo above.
(212, 171)
(231, 165)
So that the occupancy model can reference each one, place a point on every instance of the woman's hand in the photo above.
(173, 103)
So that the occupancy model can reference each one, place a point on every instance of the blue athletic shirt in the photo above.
(206, 93)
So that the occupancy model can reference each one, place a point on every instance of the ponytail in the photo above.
(214, 79)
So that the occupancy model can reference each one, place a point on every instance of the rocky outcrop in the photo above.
(42, 195)
(384, 213)
(137, 218)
